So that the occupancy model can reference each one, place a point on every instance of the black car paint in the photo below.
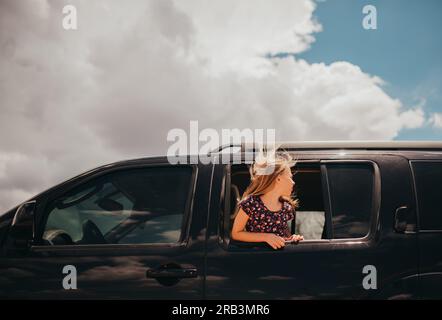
(229, 270)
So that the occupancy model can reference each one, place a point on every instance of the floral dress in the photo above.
(261, 219)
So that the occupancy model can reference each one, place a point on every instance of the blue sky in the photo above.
(405, 50)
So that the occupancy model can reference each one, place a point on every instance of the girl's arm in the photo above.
(239, 233)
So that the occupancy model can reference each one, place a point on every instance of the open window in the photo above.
(310, 219)
(336, 199)
(310, 216)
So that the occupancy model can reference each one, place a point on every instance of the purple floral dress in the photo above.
(261, 219)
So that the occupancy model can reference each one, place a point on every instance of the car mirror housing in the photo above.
(22, 230)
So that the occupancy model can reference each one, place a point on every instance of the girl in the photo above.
(266, 205)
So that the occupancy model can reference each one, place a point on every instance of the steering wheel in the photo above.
(92, 234)
(57, 237)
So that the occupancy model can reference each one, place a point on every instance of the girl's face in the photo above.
(285, 182)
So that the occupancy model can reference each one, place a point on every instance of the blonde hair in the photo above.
(263, 173)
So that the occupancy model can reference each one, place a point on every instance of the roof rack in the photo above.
(226, 146)
(361, 145)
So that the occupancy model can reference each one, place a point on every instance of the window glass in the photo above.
(131, 206)
(351, 194)
(428, 180)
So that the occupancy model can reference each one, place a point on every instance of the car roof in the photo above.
(324, 145)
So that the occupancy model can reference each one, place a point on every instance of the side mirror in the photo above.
(22, 227)
(400, 219)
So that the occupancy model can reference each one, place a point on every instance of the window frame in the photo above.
(416, 198)
(76, 249)
(374, 223)
(375, 201)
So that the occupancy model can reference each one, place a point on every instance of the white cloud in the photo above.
(111, 90)
(413, 118)
(236, 34)
(436, 120)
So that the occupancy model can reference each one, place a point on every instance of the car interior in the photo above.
(123, 209)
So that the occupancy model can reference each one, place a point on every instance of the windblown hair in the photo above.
(263, 173)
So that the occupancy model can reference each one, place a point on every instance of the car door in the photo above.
(428, 183)
(357, 239)
(124, 231)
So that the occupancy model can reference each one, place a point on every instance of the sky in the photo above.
(405, 50)
(131, 72)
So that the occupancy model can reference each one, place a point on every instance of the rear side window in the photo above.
(336, 199)
(351, 193)
(428, 181)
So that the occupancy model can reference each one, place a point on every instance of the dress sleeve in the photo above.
(247, 205)
(290, 212)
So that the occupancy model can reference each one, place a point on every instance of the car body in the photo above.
(147, 229)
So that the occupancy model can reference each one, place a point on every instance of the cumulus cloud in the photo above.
(436, 120)
(111, 90)
(236, 35)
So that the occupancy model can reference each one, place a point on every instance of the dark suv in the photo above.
(370, 213)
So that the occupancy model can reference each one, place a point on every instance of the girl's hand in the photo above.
(295, 238)
(275, 241)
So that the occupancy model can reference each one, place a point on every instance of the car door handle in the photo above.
(400, 219)
(172, 270)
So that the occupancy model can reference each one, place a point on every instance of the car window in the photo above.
(428, 181)
(351, 188)
(310, 215)
(125, 207)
